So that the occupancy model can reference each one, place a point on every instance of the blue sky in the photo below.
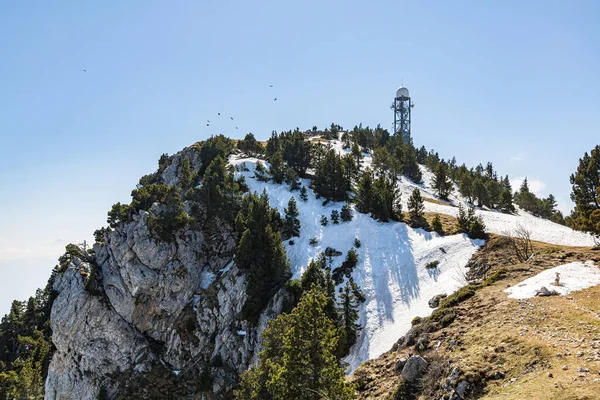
(512, 82)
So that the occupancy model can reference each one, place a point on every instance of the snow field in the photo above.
(391, 266)
(573, 276)
(496, 222)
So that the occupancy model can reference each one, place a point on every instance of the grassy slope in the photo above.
(525, 339)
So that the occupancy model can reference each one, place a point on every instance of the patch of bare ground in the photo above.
(482, 344)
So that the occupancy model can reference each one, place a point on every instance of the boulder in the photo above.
(434, 302)
(414, 368)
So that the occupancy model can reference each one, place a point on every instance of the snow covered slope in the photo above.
(391, 267)
(573, 276)
(496, 222)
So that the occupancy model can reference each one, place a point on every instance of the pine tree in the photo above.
(261, 254)
(277, 169)
(480, 192)
(349, 328)
(185, 173)
(303, 193)
(385, 204)
(250, 145)
(324, 220)
(291, 226)
(586, 193)
(505, 204)
(299, 360)
(493, 189)
(364, 196)
(436, 225)
(466, 187)
(346, 213)
(441, 181)
(410, 165)
(416, 206)
(335, 217)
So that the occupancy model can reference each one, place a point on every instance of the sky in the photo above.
(511, 82)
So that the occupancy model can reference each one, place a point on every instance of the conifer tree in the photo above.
(335, 217)
(277, 169)
(185, 173)
(346, 213)
(586, 193)
(466, 187)
(364, 196)
(291, 226)
(505, 204)
(349, 328)
(299, 360)
(250, 145)
(324, 220)
(436, 225)
(410, 165)
(480, 192)
(416, 206)
(441, 181)
(303, 193)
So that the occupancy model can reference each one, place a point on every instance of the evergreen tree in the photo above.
(277, 169)
(349, 328)
(466, 187)
(410, 165)
(470, 223)
(303, 193)
(436, 225)
(493, 189)
(291, 226)
(346, 213)
(586, 193)
(302, 362)
(416, 206)
(364, 195)
(335, 217)
(273, 145)
(386, 199)
(291, 178)
(261, 254)
(441, 181)
(323, 220)
(185, 174)
(250, 145)
(480, 192)
(296, 151)
(505, 204)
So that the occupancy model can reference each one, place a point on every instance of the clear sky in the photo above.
(513, 82)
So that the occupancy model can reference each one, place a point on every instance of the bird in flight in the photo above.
(236, 127)
(84, 70)
(231, 118)
(275, 99)
(219, 113)
(270, 85)
(207, 124)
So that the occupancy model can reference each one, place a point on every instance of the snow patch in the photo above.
(207, 279)
(241, 333)
(391, 266)
(573, 276)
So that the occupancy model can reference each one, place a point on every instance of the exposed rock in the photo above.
(331, 252)
(162, 308)
(434, 302)
(413, 369)
(543, 291)
(400, 365)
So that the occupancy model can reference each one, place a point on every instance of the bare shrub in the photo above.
(520, 242)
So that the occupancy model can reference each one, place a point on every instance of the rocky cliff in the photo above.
(145, 318)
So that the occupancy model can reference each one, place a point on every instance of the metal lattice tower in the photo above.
(401, 107)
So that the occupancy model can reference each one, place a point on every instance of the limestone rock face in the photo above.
(160, 311)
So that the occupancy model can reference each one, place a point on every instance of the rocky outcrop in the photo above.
(169, 310)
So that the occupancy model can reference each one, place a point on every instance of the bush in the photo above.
(357, 243)
(459, 296)
(471, 224)
(496, 276)
(313, 241)
(324, 220)
(436, 225)
(416, 321)
(432, 264)
(447, 319)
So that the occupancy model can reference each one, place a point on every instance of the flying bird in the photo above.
(275, 99)
(207, 124)
(84, 70)
(219, 113)
(236, 127)
(270, 85)
(231, 118)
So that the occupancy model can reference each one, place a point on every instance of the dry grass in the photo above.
(525, 339)
(437, 201)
